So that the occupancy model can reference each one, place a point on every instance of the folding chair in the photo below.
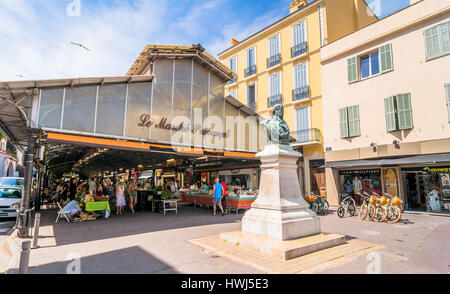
(61, 213)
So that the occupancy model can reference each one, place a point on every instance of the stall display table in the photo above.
(97, 206)
(239, 202)
(234, 202)
(167, 205)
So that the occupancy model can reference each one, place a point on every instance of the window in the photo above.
(233, 93)
(447, 87)
(275, 91)
(437, 41)
(274, 46)
(232, 63)
(251, 97)
(251, 57)
(379, 61)
(303, 118)
(398, 112)
(299, 42)
(301, 85)
(322, 26)
(349, 122)
(370, 65)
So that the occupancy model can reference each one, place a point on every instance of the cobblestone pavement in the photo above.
(154, 243)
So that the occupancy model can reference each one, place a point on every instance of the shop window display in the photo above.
(354, 182)
(438, 190)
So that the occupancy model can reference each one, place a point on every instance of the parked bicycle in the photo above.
(348, 206)
(319, 205)
(365, 206)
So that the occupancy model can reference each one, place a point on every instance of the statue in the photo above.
(277, 129)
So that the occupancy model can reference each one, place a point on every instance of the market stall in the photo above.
(234, 201)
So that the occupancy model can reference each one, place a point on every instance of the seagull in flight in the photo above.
(20, 76)
(80, 45)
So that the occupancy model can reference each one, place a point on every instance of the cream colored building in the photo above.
(386, 105)
(281, 64)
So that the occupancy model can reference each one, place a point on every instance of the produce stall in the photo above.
(233, 201)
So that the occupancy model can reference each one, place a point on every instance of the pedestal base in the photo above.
(284, 250)
(281, 225)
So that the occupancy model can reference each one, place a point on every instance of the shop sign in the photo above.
(360, 172)
(146, 122)
(436, 170)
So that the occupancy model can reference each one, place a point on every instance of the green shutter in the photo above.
(386, 58)
(445, 38)
(352, 69)
(343, 122)
(404, 110)
(389, 106)
(353, 121)
(448, 100)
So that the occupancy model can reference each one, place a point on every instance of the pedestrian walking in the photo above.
(218, 196)
(120, 197)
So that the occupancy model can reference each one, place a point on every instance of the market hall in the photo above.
(170, 122)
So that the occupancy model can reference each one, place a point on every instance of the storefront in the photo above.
(427, 189)
(355, 182)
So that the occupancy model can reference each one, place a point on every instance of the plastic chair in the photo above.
(61, 213)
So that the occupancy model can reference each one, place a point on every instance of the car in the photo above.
(12, 182)
(10, 197)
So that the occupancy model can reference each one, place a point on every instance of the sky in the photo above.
(36, 35)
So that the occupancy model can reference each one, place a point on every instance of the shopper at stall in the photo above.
(132, 195)
(218, 196)
(73, 189)
(120, 197)
(92, 187)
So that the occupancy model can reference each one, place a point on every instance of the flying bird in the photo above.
(80, 45)
(20, 76)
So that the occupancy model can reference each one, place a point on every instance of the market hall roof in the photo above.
(197, 52)
(16, 101)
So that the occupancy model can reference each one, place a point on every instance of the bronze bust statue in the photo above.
(277, 129)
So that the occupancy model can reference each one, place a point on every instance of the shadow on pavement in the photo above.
(133, 260)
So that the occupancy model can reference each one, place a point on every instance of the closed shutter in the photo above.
(404, 110)
(432, 42)
(448, 100)
(353, 121)
(389, 105)
(303, 125)
(274, 46)
(343, 122)
(301, 79)
(299, 34)
(386, 58)
(445, 37)
(275, 85)
(352, 68)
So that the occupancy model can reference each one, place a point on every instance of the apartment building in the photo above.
(280, 64)
(386, 104)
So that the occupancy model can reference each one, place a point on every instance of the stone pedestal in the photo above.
(280, 212)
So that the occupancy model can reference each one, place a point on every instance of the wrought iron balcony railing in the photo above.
(299, 49)
(274, 100)
(307, 136)
(273, 60)
(300, 93)
(249, 71)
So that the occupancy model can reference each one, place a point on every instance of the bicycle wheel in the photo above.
(371, 212)
(341, 212)
(352, 210)
(394, 215)
(325, 207)
(379, 212)
(315, 207)
(363, 211)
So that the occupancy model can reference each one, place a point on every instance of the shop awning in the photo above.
(411, 160)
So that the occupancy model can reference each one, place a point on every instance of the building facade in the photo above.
(8, 162)
(281, 64)
(386, 100)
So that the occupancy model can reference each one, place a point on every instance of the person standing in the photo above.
(92, 187)
(73, 189)
(120, 197)
(218, 196)
(132, 192)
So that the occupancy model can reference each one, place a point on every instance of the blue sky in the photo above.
(36, 34)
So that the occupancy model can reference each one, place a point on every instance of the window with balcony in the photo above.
(274, 52)
(275, 91)
(251, 97)
(251, 62)
(437, 41)
(303, 120)
(301, 84)
(299, 44)
(398, 112)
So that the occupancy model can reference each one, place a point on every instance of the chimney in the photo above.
(234, 42)
(298, 4)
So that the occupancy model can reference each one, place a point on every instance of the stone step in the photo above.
(284, 250)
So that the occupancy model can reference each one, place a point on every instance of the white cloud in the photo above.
(36, 35)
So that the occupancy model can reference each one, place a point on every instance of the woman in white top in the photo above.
(120, 197)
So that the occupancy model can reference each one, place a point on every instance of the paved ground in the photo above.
(5, 226)
(154, 243)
